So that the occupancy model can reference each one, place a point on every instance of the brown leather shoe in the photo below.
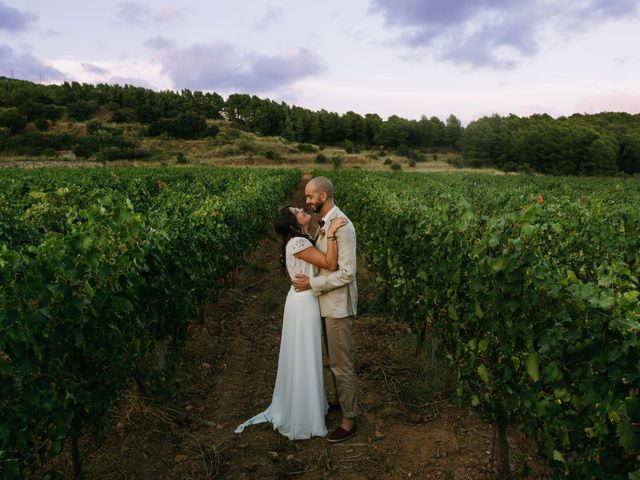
(340, 434)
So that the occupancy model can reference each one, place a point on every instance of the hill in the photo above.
(113, 123)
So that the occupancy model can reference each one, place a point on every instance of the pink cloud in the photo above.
(223, 67)
(610, 102)
(135, 13)
(478, 32)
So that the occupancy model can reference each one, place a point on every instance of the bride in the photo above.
(299, 404)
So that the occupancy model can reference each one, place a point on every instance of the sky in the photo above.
(411, 58)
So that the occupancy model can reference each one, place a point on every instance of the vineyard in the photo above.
(531, 287)
(99, 270)
(527, 285)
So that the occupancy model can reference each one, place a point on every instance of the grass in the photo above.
(234, 147)
(424, 377)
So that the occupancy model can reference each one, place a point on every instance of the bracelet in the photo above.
(331, 238)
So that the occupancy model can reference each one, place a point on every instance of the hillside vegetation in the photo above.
(112, 123)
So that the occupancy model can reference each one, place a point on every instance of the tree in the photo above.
(13, 120)
(331, 126)
(393, 132)
(372, 124)
(628, 155)
(212, 105)
(237, 108)
(601, 157)
(267, 118)
(452, 131)
(353, 127)
(315, 130)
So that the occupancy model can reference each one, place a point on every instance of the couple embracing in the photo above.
(323, 296)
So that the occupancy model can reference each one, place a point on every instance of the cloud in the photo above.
(124, 70)
(26, 67)
(610, 102)
(159, 43)
(492, 33)
(136, 82)
(273, 15)
(90, 68)
(134, 13)
(596, 10)
(13, 20)
(221, 67)
(168, 13)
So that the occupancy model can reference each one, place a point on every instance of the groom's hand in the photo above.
(301, 283)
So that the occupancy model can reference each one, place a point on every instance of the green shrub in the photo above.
(228, 136)
(82, 110)
(41, 124)
(336, 160)
(227, 150)
(93, 126)
(123, 115)
(321, 158)
(53, 112)
(212, 131)
(524, 168)
(82, 150)
(410, 153)
(181, 158)
(306, 148)
(187, 125)
(350, 147)
(158, 127)
(387, 161)
(13, 120)
(395, 166)
(456, 162)
(127, 153)
(510, 167)
(271, 155)
(244, 145)
(49, 152)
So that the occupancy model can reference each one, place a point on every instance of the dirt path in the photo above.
(227, 375)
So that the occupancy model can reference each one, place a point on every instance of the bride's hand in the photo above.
(336, 223)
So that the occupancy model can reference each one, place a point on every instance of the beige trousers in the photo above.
(338, 344)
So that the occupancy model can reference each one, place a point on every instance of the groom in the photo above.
(337, 294)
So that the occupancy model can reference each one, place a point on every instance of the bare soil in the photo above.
(227, 373)
(8, 163)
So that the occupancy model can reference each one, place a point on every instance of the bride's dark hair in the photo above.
(287, 227)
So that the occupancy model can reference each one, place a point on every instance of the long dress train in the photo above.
(298, 404)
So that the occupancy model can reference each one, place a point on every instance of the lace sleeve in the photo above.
(297, 244)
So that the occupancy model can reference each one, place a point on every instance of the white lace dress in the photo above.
(298, 404)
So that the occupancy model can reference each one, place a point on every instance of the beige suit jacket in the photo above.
(337, 291)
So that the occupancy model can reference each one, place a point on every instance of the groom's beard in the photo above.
(318, 207)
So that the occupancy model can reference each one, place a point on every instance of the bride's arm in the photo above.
(329, 260)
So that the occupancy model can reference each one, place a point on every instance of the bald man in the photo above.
(338, 296)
